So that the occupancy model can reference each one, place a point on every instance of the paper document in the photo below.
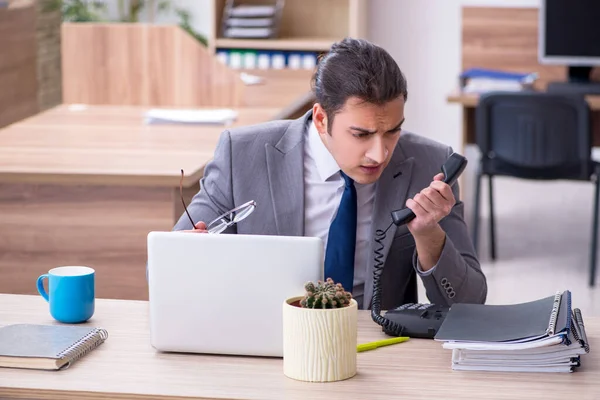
(483, 85)
(190, 116)
(250, 22)
(248, 32)
(251, 79)
(252, 11)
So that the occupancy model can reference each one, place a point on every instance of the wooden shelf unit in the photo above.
(301, 44)
(306, 25)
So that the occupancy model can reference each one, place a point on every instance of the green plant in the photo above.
(129, 11)
(326, 294)
(76, 10)
(184, 23)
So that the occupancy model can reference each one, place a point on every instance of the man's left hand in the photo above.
(430, 205)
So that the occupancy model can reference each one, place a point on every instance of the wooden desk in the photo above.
(286, 88)
(469, 103)
(162, 65)
(127, 367)
(85, 188)
(110, 145)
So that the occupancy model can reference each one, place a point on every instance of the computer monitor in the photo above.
(569, 35)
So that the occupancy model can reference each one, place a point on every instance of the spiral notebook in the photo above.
(47, 347)
(544, 335)
(513, 323)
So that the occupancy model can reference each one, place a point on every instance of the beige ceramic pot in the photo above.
(319, 345)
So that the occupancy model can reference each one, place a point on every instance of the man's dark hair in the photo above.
(356, 68)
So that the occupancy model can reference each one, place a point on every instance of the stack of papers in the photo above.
(480, 80)
(248, 10)
(190, 116)
(248, 32)
(250, 21)
(545, 335)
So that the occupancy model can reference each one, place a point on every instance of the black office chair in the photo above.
(534, 135)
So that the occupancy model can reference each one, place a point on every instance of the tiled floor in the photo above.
(543, 236)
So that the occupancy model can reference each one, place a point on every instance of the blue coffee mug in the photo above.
(71, 293)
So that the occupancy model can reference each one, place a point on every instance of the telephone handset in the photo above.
(414, 320)
(452, 169)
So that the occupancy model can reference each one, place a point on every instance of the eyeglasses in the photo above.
(231, 217)
(225, 220)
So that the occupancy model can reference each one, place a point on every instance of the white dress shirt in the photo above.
(323, 189)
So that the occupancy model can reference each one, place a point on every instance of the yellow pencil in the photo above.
(379, 343)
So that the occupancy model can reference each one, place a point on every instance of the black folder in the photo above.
(544, 335)
(508, 323)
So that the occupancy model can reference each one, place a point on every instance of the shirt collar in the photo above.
(326, 164)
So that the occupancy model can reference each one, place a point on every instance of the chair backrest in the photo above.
(535, 135)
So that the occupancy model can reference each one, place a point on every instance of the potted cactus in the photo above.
(320, 333)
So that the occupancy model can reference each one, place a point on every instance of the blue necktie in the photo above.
(341, 242)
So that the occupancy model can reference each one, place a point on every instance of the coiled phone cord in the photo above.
(390, 327)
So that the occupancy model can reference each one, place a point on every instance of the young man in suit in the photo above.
(338, 172)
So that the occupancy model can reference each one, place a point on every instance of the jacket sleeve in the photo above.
(216, 192)
(457, 276)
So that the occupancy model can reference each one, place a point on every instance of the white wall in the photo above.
(200, 15)
(425, 39)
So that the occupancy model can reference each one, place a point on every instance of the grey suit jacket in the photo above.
(265, 163)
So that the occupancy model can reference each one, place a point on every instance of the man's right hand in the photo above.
(200, 228)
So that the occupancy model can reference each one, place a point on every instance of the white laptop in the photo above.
(224, 293)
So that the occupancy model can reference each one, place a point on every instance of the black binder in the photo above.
(544, 335)
(508, 323)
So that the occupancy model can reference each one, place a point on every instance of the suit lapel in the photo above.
(285, 169)
(391, 194)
